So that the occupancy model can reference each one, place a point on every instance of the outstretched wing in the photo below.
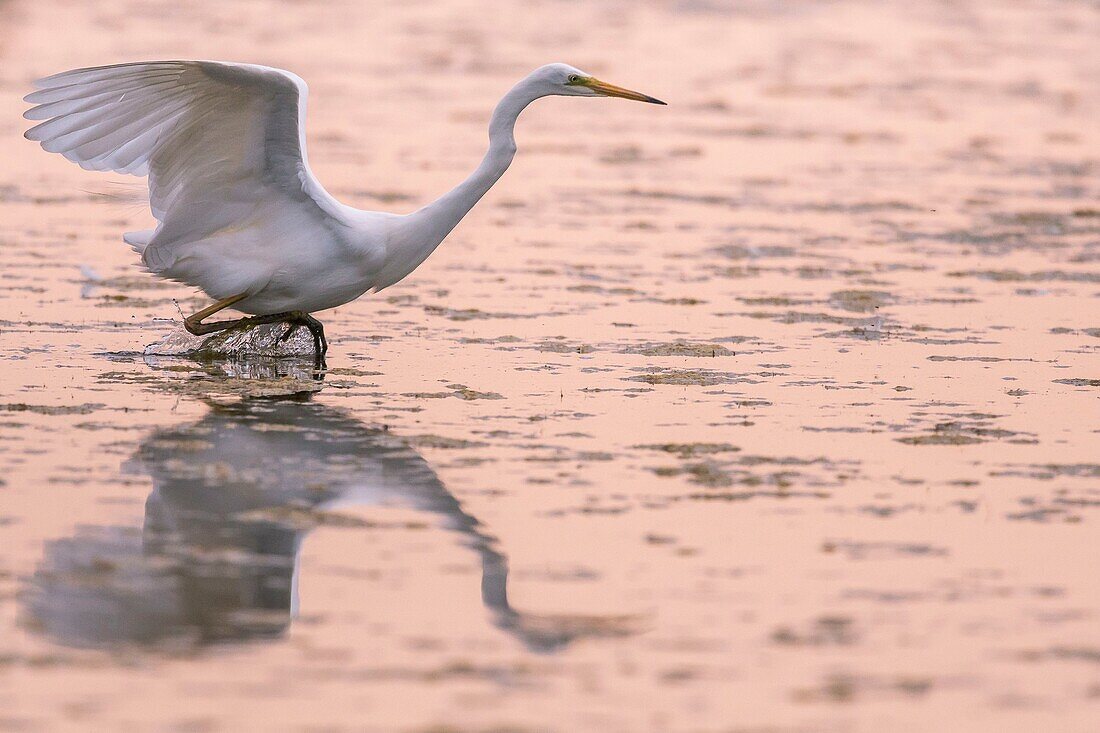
(214, 138)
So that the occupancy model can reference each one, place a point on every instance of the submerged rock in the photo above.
(252, 361)
(265, 340)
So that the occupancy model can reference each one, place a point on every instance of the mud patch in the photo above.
(679, 348)
(690, 450)
(860, 301)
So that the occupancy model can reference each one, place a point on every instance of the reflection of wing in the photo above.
(117, 586)
(97, 589)
(213, 137)
(234, 494)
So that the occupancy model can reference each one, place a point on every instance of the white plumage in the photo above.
(223, 146)
(240, 214)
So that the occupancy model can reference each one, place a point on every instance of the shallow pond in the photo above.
(775, 409)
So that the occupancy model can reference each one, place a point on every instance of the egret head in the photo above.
(569, 81)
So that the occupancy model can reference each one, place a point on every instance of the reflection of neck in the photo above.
(494, 565)
(423, 230)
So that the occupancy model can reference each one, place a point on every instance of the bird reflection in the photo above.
(234, 495)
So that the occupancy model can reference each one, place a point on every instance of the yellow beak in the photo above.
(610, 90)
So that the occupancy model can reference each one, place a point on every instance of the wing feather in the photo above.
(79, 91)
(52, 78)
(71, 104)
(123, 122)
(217, 135)
(69, 113)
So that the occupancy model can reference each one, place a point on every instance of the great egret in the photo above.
(240, 214)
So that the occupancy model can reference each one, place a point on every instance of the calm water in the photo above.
(772, 410)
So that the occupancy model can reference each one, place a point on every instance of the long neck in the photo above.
(435, 221)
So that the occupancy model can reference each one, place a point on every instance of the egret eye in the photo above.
(573, 78)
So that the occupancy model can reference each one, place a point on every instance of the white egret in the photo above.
(240, 215)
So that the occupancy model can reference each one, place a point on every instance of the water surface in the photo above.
(774, 409)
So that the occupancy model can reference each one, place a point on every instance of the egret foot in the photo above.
(298, 319)
(194, 326)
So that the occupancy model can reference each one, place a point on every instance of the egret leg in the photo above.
(194, 323)
(195, 326)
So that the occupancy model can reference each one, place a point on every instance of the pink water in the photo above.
(772, 410)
